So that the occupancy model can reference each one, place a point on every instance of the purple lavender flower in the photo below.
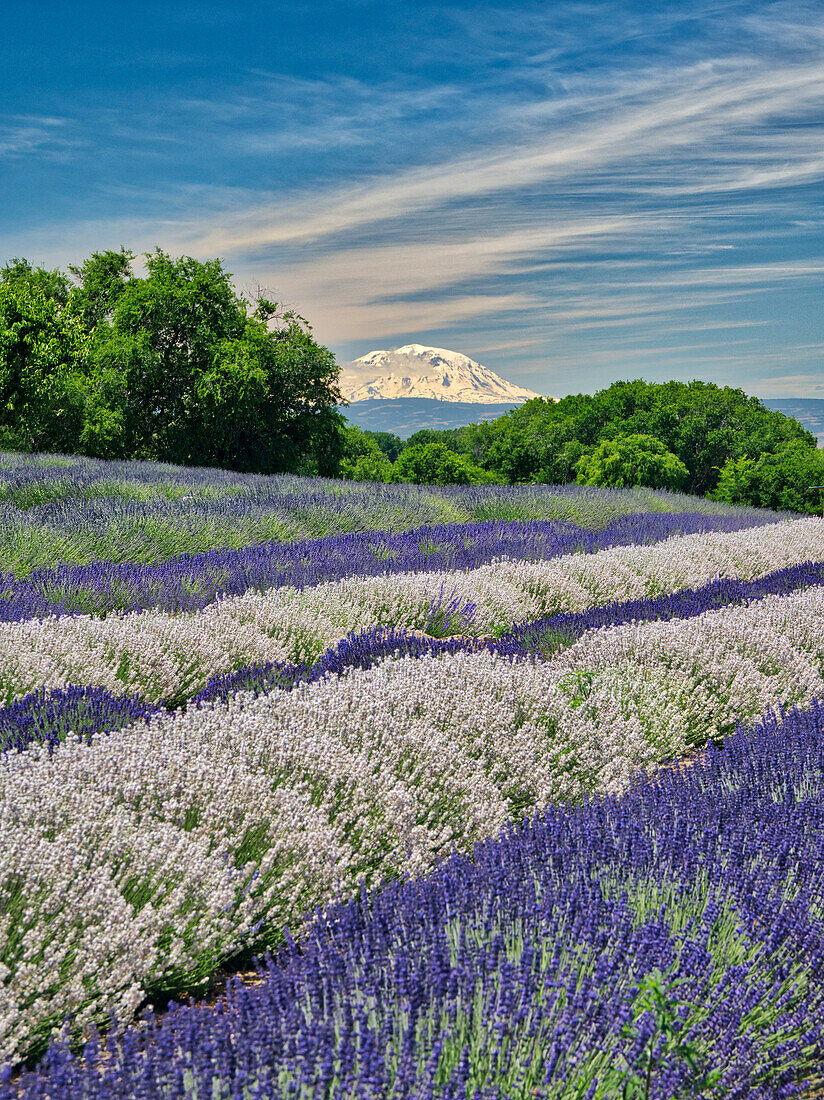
(189, 582)
(527, 969)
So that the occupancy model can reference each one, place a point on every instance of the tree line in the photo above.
(691, 437)
(175, 365)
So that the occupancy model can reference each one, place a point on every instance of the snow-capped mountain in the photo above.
(434, 373)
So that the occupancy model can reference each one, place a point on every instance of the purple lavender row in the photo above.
(46, 716)
(191, 581)
(539, 638)
(548, 964)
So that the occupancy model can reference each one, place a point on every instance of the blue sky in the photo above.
(570, 193)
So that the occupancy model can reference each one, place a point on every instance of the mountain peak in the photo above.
(417, 370)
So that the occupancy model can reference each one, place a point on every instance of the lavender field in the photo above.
(513, 791)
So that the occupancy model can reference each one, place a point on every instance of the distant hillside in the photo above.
(808, 411)
(406, 415)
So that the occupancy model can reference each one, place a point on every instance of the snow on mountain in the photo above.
(418, 371)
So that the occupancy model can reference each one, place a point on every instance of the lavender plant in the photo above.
(50, 715)
(169, 658)
(541, 637)
(142, 847)
(203, 833)
(621, 942)
(82, 511)
(190, 582)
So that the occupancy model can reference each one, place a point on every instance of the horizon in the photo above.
(570, 196)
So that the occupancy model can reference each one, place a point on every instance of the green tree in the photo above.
(198, 378)
(434, 464)
(701, 424)
(43, 381)
(532, 442)
(704, 425)
(781, 480)
(629, 460)
(174, 366)
(53, 284)
(471, 440)
(101, 280)
(362, 459)
(444, 436)
(389, 444)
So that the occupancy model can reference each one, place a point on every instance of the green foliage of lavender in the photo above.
(659, 946)
(133, 864)
(55, 508)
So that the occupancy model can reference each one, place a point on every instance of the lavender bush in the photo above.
(169, 657)
(58, 509)
(47, 717)
(578, 648)
(50, 715)
(191, 581)
(543, 966)
(541, 637)
(132, 864)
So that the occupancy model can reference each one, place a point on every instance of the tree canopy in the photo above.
(362, 458)
(173, 366)
(434, 464)
(781, 480)
(700, 424)
(630, 460)
(43, 348)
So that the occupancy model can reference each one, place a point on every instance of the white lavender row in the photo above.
(133, 865)
(168, 658)
(48, 716)
(561, 936)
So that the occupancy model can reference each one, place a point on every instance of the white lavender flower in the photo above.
(169, 657)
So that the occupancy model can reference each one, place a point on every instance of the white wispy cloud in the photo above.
(712, 129)
(25, 135)
(697, 112)
(275, 113)
(607, 201)
(793, 385)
